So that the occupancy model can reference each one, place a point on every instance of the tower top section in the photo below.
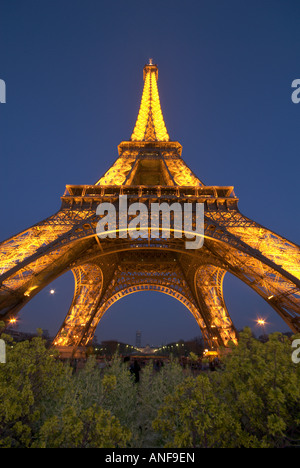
(150, 125)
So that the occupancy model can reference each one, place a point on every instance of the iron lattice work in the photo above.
(149, 169)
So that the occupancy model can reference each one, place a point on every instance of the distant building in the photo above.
(26, 336)
(111, 347)
(183, 348)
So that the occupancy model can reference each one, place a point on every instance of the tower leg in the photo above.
(88, 287)
(209, 288)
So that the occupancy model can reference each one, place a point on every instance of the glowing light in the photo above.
(29, 291)
(117, 173)
(12, 321)
(261, 322)
(52, 291)
(150, 125)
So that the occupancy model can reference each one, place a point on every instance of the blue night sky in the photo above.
(73, 71)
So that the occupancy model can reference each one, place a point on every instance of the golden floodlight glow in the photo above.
(150, 125)
(29, 290)
(150, 169)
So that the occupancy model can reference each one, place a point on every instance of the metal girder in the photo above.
(88, 287)
(150, 169)
(209, 287)
(232, 241)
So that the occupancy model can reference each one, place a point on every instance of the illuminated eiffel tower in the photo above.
(149, 169)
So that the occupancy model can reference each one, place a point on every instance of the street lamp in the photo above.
(261, 322)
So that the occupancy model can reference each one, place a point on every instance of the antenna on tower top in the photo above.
(150, 61)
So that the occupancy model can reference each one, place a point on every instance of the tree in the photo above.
(43, 405)
(262, 386)
(153, 389)
(74, 427)
(253, 402)
(193, 416)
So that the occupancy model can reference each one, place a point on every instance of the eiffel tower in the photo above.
(149, 169)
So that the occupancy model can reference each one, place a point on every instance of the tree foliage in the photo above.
(43, 405)
(253, 400)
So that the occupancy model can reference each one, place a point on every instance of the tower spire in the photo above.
(150, 125)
